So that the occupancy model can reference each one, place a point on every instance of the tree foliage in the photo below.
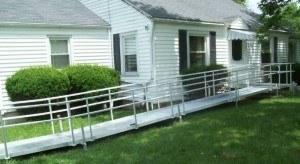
(242, 2)
(278, 14)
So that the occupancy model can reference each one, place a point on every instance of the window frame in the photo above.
(66, 38)
(206, 46)
(123, 55)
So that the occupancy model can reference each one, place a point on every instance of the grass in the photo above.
(36, 130)
(261, 130)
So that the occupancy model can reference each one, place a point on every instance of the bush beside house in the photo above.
(42, 82)
(199, 78)
(90, 77)
(37, 82)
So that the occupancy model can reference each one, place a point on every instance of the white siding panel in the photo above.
(239, 24)
(283, 46)
(167, 46)
(123, 19)
(16, 54)
(25, 47)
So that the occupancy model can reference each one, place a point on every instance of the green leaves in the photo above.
(91, 77)
(37, 82)
(242, 2)
(279, 14)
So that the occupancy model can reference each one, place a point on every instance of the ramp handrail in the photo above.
(171, 89)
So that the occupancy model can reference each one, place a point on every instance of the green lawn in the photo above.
(261, 130)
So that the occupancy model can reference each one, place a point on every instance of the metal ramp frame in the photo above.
(90, 133)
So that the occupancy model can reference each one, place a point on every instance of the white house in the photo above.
(49, 32)
(154, 39)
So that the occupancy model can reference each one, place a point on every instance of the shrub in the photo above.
(199, 69)
(37, 82)
(91, 77)
(296, 74)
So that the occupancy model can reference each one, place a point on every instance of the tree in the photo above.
(277, 14)
(242, 2)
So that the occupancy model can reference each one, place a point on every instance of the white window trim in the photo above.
(206, 46)
(122, 36)
(69, 39)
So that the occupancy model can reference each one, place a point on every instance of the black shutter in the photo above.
(182, 50)
(117, 53)
(275, 49)
(213, 47)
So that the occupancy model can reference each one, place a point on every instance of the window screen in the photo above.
(197, 50)
(130, 59)
(59, 53)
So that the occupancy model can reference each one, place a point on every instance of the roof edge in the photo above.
(187, 21)
(45, 25)
(138, 9)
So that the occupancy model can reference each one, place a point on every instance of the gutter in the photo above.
(165, 20)
(45, 25)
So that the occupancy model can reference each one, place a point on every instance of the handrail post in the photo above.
(134, 110)
(182, 97)
(146, 96)
(158, 101)
(205, 85)
(89, 118)
(271, 77)
(70, 121)
(171, 97)
(83, 138)
(236, 96)
(179, 114)
(51, 116)
(110, 105)
(3, 136)
(291, 74)
(214, 87)
(279, 71)
(287, 74)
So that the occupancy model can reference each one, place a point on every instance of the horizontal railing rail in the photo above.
(171, 90)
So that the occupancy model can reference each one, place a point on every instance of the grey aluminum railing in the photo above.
(173, 90)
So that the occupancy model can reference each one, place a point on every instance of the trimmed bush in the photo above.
(91, 77)
(198, 69)
(296, 75)
(37, 82)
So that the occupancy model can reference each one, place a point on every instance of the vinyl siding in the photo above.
(167, 46)
(125, 19)
(283, 46)
(239, 24)
(24, 47)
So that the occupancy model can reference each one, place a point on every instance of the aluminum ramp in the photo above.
(109, 128)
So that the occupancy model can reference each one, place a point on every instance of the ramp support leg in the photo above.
(4, 136)
(83, 138)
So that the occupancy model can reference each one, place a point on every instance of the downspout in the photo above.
(152, 53)
(110, 47)
(110, 35)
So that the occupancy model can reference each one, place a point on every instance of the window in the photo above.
(59, 53)
(129, 53)
(265, 46)
(197, 50)
(237, 50)
(265, 51)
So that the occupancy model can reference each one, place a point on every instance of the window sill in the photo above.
(130, 74)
